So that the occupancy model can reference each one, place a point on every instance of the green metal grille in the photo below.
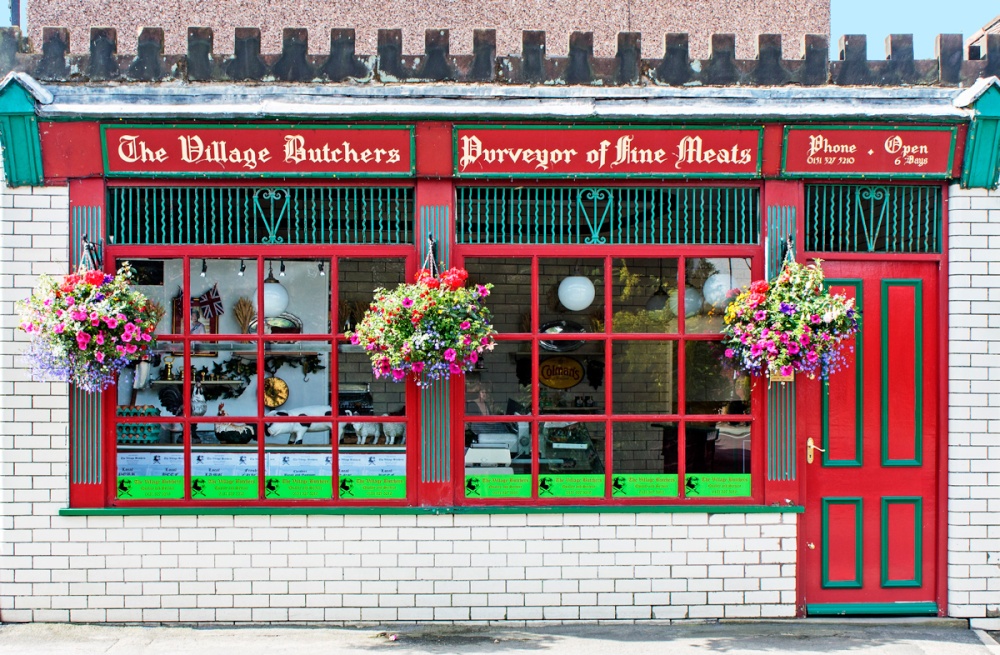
(867, 218)
(603, 215)
(255, 215)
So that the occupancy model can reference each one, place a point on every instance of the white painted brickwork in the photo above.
(974, 407)
(515, 568)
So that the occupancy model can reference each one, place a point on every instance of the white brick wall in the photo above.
(974, 407)
(479, 568)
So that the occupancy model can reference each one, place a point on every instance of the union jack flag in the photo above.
(210, 303)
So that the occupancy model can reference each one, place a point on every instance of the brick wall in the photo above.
(974, 407)
(560, 567)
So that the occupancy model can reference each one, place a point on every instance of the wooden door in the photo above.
(869, 539)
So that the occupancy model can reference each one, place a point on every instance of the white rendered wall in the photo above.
(487, 567)
(974, 407)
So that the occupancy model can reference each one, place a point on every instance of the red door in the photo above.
(869, 539)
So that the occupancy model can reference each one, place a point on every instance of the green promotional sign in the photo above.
(497, 486)
(372, 487)
(644, 485)
(715, 485)
(153, 486)
(570, 486)
(279, 487)
(223, 487)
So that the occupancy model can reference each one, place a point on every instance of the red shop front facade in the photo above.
(612, 249)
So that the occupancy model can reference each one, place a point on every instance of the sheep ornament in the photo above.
(363, 430)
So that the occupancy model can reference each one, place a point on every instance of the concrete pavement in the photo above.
(808, 637)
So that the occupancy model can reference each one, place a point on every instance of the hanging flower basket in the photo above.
(432, 329)
(86, 327)
(792, 324)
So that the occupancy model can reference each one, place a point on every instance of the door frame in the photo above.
(941, 487)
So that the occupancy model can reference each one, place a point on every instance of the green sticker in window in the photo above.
(714, 485)
(644, 485)
(497, 486)
(217, 487)
(278, 487)
(377, 487)
(570, 486)
(153, 486)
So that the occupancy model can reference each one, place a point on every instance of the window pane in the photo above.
(372, 468)
(148, 467)
(718, 460)
(645, 460)
(579, 306)
(571, 460)
(296, 297)
(498, 460)
(223, 300)
(712, 387)
(160, 280)
(501, 381)
(361, 394)
(707, 292)
(641, 295)
(645, 377)
(358, 279)
(510, 300)
(221, 471)
(296, 377)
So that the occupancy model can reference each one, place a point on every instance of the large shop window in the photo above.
(253, 394)
(608, 383)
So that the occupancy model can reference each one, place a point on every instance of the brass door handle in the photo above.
(810, 447)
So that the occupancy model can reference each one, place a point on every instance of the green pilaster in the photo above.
(22, 148)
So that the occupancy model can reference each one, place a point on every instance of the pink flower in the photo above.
(99, 356)
(484, 341)
(70, 300)
(131, 348)
(473, 357)
(100, 339)
(398, 374)
(407, 302)
(730, 352)
(59, 328)
(759, 315)
(417, 367)
(482, 291)
(111, 322)
(454, 368)
(811, 356)
(793, 348)
(355, 339)
(147, 337)
(466, 340)
(786, 370)
(449, 354)
(464, 325)
(82, 339)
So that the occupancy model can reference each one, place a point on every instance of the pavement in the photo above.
(807, 637)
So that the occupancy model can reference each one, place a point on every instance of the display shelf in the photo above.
(204, 383)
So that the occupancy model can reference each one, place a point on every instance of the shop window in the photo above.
(252, 394)
(608, 382)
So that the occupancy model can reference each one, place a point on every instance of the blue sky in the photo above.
(924, 19)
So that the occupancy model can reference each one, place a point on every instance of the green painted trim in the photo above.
(928, 608)
(22, 146)
(981, 167)
(318, 510)
(245, 174)
(918, 547)
(623, 176)
(859, 396)
(918, 371)
(858, 503)
(883, 174)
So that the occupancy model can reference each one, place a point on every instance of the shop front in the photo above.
(603, 454)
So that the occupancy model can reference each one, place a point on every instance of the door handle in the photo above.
(810, 447)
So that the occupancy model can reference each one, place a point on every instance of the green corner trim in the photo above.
(568, 509)
(22, 147)
(928, 608)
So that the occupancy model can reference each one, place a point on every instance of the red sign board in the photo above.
(258, 150)
(858, 151)
(487, 151)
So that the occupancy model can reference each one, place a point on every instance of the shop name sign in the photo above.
(257, 151)
(489, 151)
(862, 151)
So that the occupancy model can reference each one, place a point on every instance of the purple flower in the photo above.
(787, 309)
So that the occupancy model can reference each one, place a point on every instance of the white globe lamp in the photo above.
(716, 290)
(275, 296)
(692, 302)
(576, 293)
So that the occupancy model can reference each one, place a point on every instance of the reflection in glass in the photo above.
(644, 377)
(641, 292)
(712, 387)
(358, 279)
(501, 381)
(360, 393)
(710, 285)
(510, 299)
(571, 447)
(160, 280)
(221, 471)
(222, 299)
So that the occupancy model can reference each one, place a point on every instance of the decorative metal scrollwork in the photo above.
(273, 216)
(593, 197)
(871, 201)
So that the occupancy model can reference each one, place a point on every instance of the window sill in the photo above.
(568, 509)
